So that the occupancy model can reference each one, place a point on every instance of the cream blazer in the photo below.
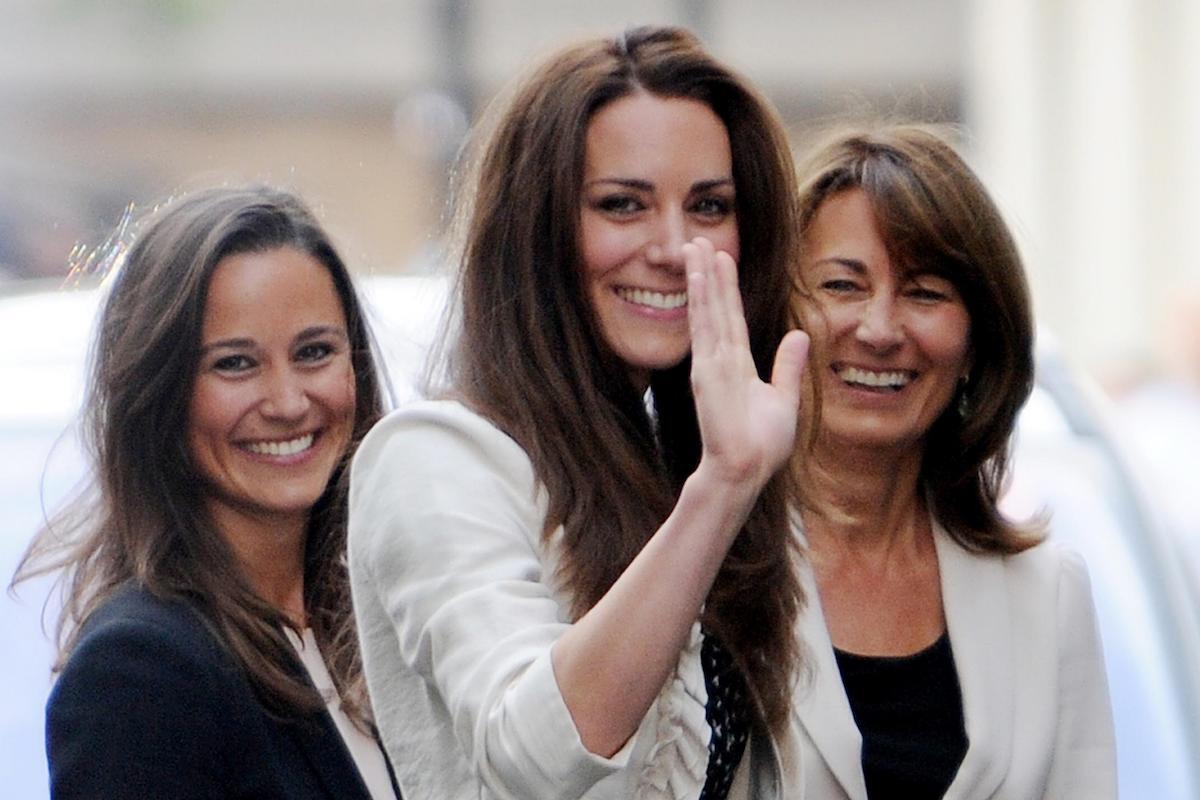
(458, 604)
(1035, 695)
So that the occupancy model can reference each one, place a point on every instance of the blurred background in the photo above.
(1082, 116)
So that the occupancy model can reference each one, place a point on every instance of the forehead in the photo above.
(642, 133)
(845, 224)
(846, 227)
(274, 291)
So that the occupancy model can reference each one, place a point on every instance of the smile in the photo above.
(666, 301)
(288, 448)
(893, 380)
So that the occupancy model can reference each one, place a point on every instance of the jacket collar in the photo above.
(821, 702)
(980, 628)
(979, 621)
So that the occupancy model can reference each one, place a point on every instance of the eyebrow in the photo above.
(852, 264)
(317, 331)
(227, 344)
(647, 186)
(859, 268)
(242, 343)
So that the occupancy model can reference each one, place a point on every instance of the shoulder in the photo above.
(435, 476)
(135, 636)
(436, 435)
(147, 699)
(1050, 564)
(134, 611)
(1044, 564)
(1046, 585)
(136, 605)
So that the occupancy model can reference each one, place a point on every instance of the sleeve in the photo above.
(1085, 758)
(128, 718)
(447, 528)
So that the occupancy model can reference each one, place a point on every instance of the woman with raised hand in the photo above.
(572, 573)
(954, 652)
(208, 645)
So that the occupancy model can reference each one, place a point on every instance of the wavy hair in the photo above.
(530, 355)
(933, 210)
(143, 519)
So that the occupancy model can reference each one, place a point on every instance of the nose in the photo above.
(667, 239)
(286, 397)
(879, 325)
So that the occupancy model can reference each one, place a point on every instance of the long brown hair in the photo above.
(143, 521)
(932, 210)
(531, 358)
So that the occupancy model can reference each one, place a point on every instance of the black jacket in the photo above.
(150, 706)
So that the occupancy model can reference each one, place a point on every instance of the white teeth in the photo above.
(287, 448)
(645, 297)
(894, 380)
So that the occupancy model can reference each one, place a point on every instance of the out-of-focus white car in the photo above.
(1066, 460)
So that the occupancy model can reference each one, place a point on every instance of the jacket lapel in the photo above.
(978, 618)
(318, 739)
(821, 703)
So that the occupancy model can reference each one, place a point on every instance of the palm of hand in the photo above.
(748, 426)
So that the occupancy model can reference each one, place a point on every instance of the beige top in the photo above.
(365, 751)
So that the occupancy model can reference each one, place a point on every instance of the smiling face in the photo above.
(895, 339)
(657, 173)
(273, 405)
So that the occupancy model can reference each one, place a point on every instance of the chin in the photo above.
(866, 436)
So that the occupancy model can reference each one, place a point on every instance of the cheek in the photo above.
(831, 320)
(725, 237)
(212, 410)
(340, 396)
(950, 339)
(604, 246)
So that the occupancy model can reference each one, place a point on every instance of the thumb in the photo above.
(790, 360)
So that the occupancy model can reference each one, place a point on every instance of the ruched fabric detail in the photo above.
(676, 765)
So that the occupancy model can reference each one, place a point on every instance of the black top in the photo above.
(151, 706)
(728, 715)
(909, 711)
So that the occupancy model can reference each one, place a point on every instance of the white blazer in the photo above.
(459, 601)
(1035, 696)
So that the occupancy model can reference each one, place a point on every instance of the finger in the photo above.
(706, 263)
(790, 360)
(699, 309)
(733, 315)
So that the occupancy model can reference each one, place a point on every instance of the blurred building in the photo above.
(361, 104)
(1081, 114)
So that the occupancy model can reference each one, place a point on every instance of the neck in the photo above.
(270, 551)
(868, 501)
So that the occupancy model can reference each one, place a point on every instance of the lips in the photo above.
(877, 380)
(650, 298)
(287, 447)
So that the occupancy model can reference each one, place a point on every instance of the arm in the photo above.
(613, 662)
(1085, 759)
(445, 537)
(127, 718)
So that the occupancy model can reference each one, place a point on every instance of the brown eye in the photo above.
(315, 352)
(233, 363)
(713, 207)
(619, 204)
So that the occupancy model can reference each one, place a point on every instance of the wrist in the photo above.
(727, 496)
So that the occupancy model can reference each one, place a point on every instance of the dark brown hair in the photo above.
(144, 520)
(933, 211)
(531, 358)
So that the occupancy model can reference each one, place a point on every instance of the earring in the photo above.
(963, 405)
